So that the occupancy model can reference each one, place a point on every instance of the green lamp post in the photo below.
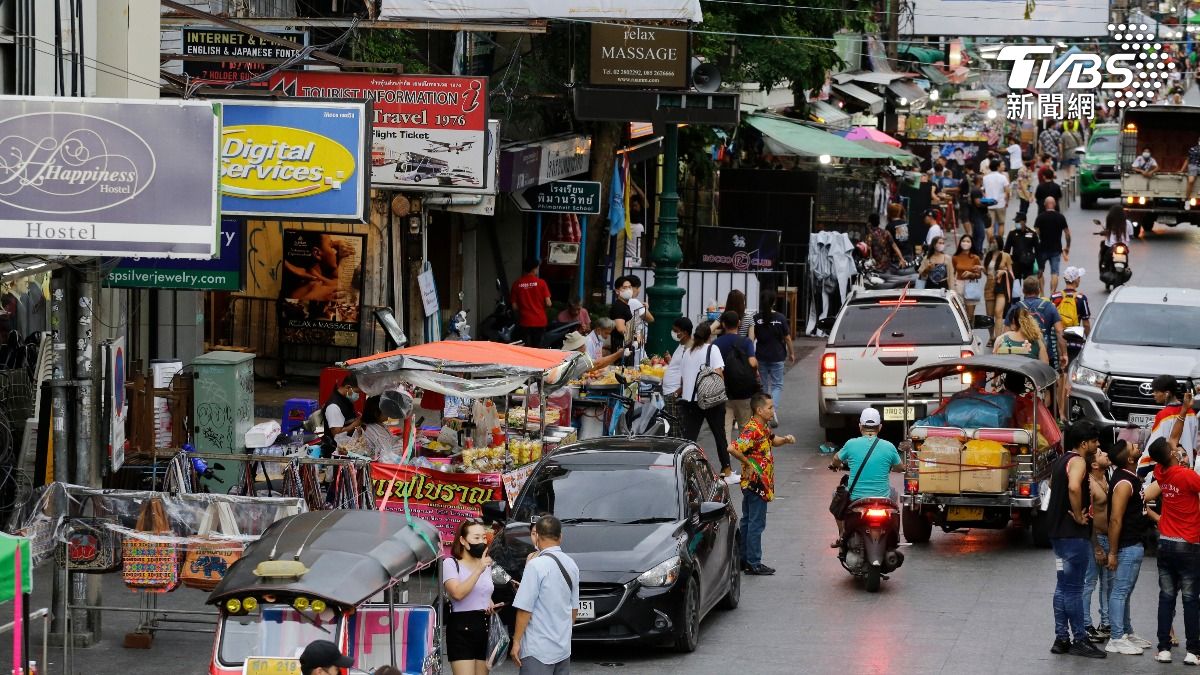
(665, 296)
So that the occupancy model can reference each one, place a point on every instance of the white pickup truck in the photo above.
(1168, 131)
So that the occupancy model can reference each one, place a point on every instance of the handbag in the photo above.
(90, 546)
(841, 494)
(151, 565)
(709, 391)
(973, 290)
(206, 562)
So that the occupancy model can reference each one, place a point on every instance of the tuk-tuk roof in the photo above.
(351, 555)
(1041, 374)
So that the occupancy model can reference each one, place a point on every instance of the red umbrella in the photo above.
(871, 134)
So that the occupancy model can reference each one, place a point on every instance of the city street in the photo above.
(976, 601)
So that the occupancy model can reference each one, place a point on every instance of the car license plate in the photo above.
(895, 413)
(1114, 184)
(1142, 420)
(587, 609)
(965, 513)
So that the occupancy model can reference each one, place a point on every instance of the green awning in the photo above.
(792, 138)
(898, 154)
(922, 54)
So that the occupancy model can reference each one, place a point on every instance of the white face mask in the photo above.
(1145, 155)
(964, 246)
(626, 294)
(940, 248)
(675, 337)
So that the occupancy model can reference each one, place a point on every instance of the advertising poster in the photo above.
(321, 293)
(216, 43)
(738, 249)
(639, 56)
(103, 177)
(428, 132)
(294, 160)
(965, 153)
(444, 499)
(222, 273)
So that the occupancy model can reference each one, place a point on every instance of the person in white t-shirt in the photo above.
(935, 228)
(995, 186)
(637, 228)
(642, 316)
(1014, 159)
(693, 355)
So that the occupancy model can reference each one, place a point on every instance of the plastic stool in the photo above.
(295, 411)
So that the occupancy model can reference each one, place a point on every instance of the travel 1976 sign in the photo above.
(108, 177)
(429, 132)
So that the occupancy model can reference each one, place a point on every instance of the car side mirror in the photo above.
(495, 511)
(982, 321)
(711, 512)
(1081, 151)
(826, 324)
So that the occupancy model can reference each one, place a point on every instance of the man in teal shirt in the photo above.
(873, 481)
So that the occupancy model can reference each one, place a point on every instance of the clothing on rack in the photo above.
(830, 268)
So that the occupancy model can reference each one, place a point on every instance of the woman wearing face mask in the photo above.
(467, 576)
(967, 267)
(680, 378)
(935, 269)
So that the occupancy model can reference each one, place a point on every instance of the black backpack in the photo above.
(740, 379)
(1025, 253)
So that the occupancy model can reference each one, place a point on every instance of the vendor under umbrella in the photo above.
(576, 342)
(340, 415)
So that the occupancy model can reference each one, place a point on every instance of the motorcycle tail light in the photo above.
(876, 514)
(1121, 249)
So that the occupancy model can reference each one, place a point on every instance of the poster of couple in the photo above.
(321, 291)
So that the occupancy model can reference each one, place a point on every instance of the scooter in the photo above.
(870, 542)
(648, 419)
(500, 325)
(1075, 340)
(1114, 265)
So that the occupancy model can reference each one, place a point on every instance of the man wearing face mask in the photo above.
(322, 657)
(340, 415)
(1145, 164)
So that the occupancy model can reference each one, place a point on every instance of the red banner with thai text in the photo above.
(443, 499)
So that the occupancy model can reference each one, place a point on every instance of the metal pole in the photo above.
(86, 587)
(537, 242)
(665, 294)
(582, 256)
(62, 333)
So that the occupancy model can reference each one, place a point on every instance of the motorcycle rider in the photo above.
(873, 481)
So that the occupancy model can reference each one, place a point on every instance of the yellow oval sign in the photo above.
(262, 161)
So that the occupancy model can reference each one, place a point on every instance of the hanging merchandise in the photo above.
(152, 564)
(89, 545)
(205, 563)
(830, 267)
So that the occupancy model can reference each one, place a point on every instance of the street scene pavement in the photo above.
(968, 602)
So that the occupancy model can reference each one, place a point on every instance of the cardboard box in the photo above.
(938, 466)
(981, 453)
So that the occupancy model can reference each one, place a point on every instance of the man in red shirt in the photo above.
(1178, 548)
(530, 297)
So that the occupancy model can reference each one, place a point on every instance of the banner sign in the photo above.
(735, 248)
(216, 42)
(322, 287)
(223, 273)
(294, 160)
(108, 177)
(444, 499)
(429, 132)
(639, 56)
(964, 153)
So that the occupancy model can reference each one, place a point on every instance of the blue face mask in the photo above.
(353, 396)
(713, 316)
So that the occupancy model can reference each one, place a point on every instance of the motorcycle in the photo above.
(1114, 263)
(1075, 340)
(501, 324)
(869, 547)
(649, 418)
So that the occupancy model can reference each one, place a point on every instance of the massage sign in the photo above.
(428, 132)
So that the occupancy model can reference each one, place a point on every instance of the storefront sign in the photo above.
(294, 160)
(565, 157)
(639, 56)
(443, 499)
(963, 153)
(108, 178)
(562, 196)
(215, 42)
(322, 287)
(734, 248)
(223, 273)
(429, 132)
(519, 167)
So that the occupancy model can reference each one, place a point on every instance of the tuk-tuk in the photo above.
(328, 575)
(983, 459)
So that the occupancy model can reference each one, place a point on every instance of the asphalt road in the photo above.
(976, 601)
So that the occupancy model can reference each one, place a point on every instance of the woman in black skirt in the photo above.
(467, 576)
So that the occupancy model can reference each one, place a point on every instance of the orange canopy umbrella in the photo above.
(462, 355)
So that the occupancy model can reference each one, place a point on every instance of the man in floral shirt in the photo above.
(753, 449)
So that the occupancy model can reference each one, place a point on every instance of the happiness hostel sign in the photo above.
(108, 177)
(294, 160)
(428, 132)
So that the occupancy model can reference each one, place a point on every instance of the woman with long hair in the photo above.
(685, 368)
(967, 267)
(736, 302)
(1023, 338)
(997, 293)
(467, 576)
(935, 269)
(1118, 229)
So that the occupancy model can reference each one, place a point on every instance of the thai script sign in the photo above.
(443, 499)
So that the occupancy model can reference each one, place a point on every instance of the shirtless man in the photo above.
(1098, 565)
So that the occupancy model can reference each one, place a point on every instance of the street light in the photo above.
(991, 114)
(824, 159)
(934, 95)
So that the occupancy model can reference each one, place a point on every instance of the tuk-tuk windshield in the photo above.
(274, 630)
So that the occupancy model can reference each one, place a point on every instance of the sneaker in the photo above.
(1093, 635)
(1191, 660)
(1060, 647)
(1122, 646)
(1164, 656)
(760, 571)
(1104, 631)
(1138, 641)
(1091, 651)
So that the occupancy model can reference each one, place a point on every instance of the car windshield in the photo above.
(274, 630)
(1103, 143)
(582, 490)
(1146, 325)
(910, 325)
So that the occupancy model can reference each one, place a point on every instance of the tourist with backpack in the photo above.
(741, 373)
(1050, 322)
(696, 374)
(1072, 305)
(1022, 246)
(772, 346)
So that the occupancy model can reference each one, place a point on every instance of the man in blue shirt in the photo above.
(547, 602)
(873, 481)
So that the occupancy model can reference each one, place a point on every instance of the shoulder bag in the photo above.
(841, 495)
(709, 391)
(209, 555)
(150, 564)
(89, 545)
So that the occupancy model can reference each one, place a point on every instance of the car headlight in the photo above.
(1089, 377)
(664, 573)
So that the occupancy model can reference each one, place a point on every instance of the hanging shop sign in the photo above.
(735, 248)
(443, 499)
(428, 132)
(639, 56)
(305, 161)
(104, 177)
(565, 157)
(217, 43)
(222, 273)
(321, 292)
(561, 196)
